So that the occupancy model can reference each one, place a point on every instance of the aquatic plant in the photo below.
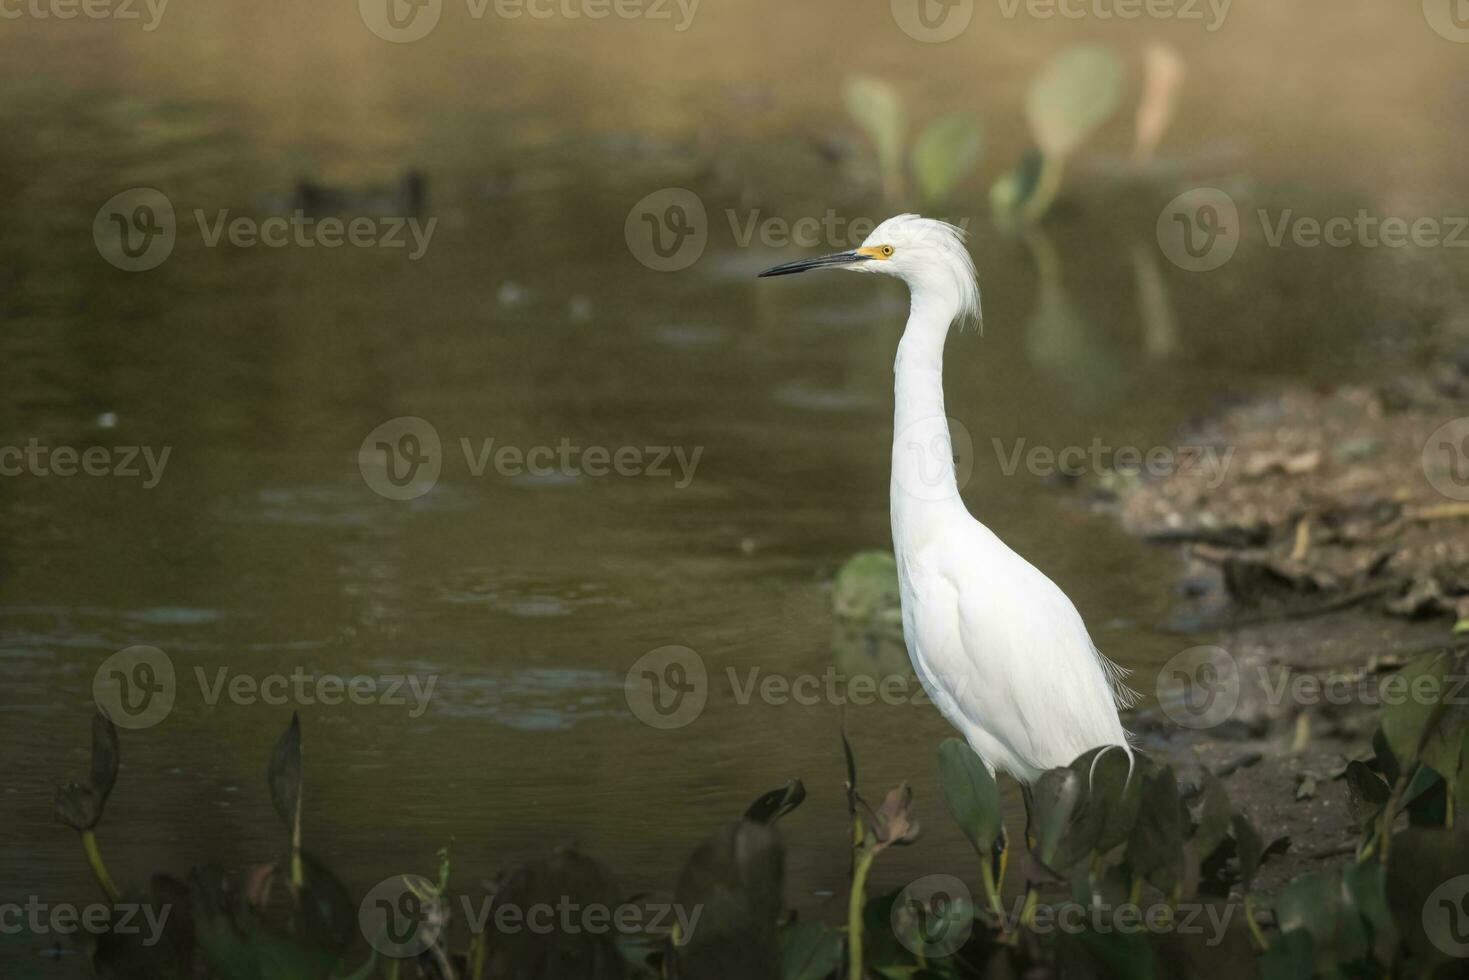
(1074, 94)
(945, 152)
(1106, 834)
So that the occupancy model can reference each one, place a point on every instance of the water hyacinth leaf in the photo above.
(809, 951)
(1320, 905)
(284, 774)
(734, 879)
(236, 945)
(1366, 886)
(1413, 703)
(878, 110)
(1425, 889)
(1012, 189)
(1367, 793)
(1126, 955)
(328, 915)
(80, 805)
(125, 951)
(944, 154)
(1155, 846)
(1074, 94)
(775, 804)
(972, 796)
(1442, 742)
(1387, 763)
(1054, 801)
(564, 947)
(1215, 812)
(1291, 956)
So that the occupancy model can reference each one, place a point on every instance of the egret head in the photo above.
(928, 255)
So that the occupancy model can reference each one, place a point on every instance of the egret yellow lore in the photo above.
(996, 644)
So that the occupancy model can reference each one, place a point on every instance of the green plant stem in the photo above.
(1390, 815)
(1254, 926)
(94, 858)
(1047, 186)
(1027, 913)
(855, 902)
(992, 889)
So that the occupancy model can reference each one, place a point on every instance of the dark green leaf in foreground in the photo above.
(809, 951)
(733, 880)
(971, 794)
(1367, 794)
(1055, 799)
(1413, 702)
(285, 774)
(1214, 815)
(1155, 847)
(80, 805)
(1290, 957)
(775, 804)
(1428, 889)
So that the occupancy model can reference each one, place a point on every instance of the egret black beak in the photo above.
(820, 262)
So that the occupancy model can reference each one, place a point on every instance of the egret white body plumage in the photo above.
(997, 645)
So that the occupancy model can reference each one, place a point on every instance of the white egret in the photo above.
(997, 645)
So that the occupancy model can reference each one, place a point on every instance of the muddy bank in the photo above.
(1334, 548)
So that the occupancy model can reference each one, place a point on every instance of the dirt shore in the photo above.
(1335, 548)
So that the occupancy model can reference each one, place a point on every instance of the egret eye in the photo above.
(887, 251)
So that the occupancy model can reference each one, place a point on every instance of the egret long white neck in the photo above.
(923, 477)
